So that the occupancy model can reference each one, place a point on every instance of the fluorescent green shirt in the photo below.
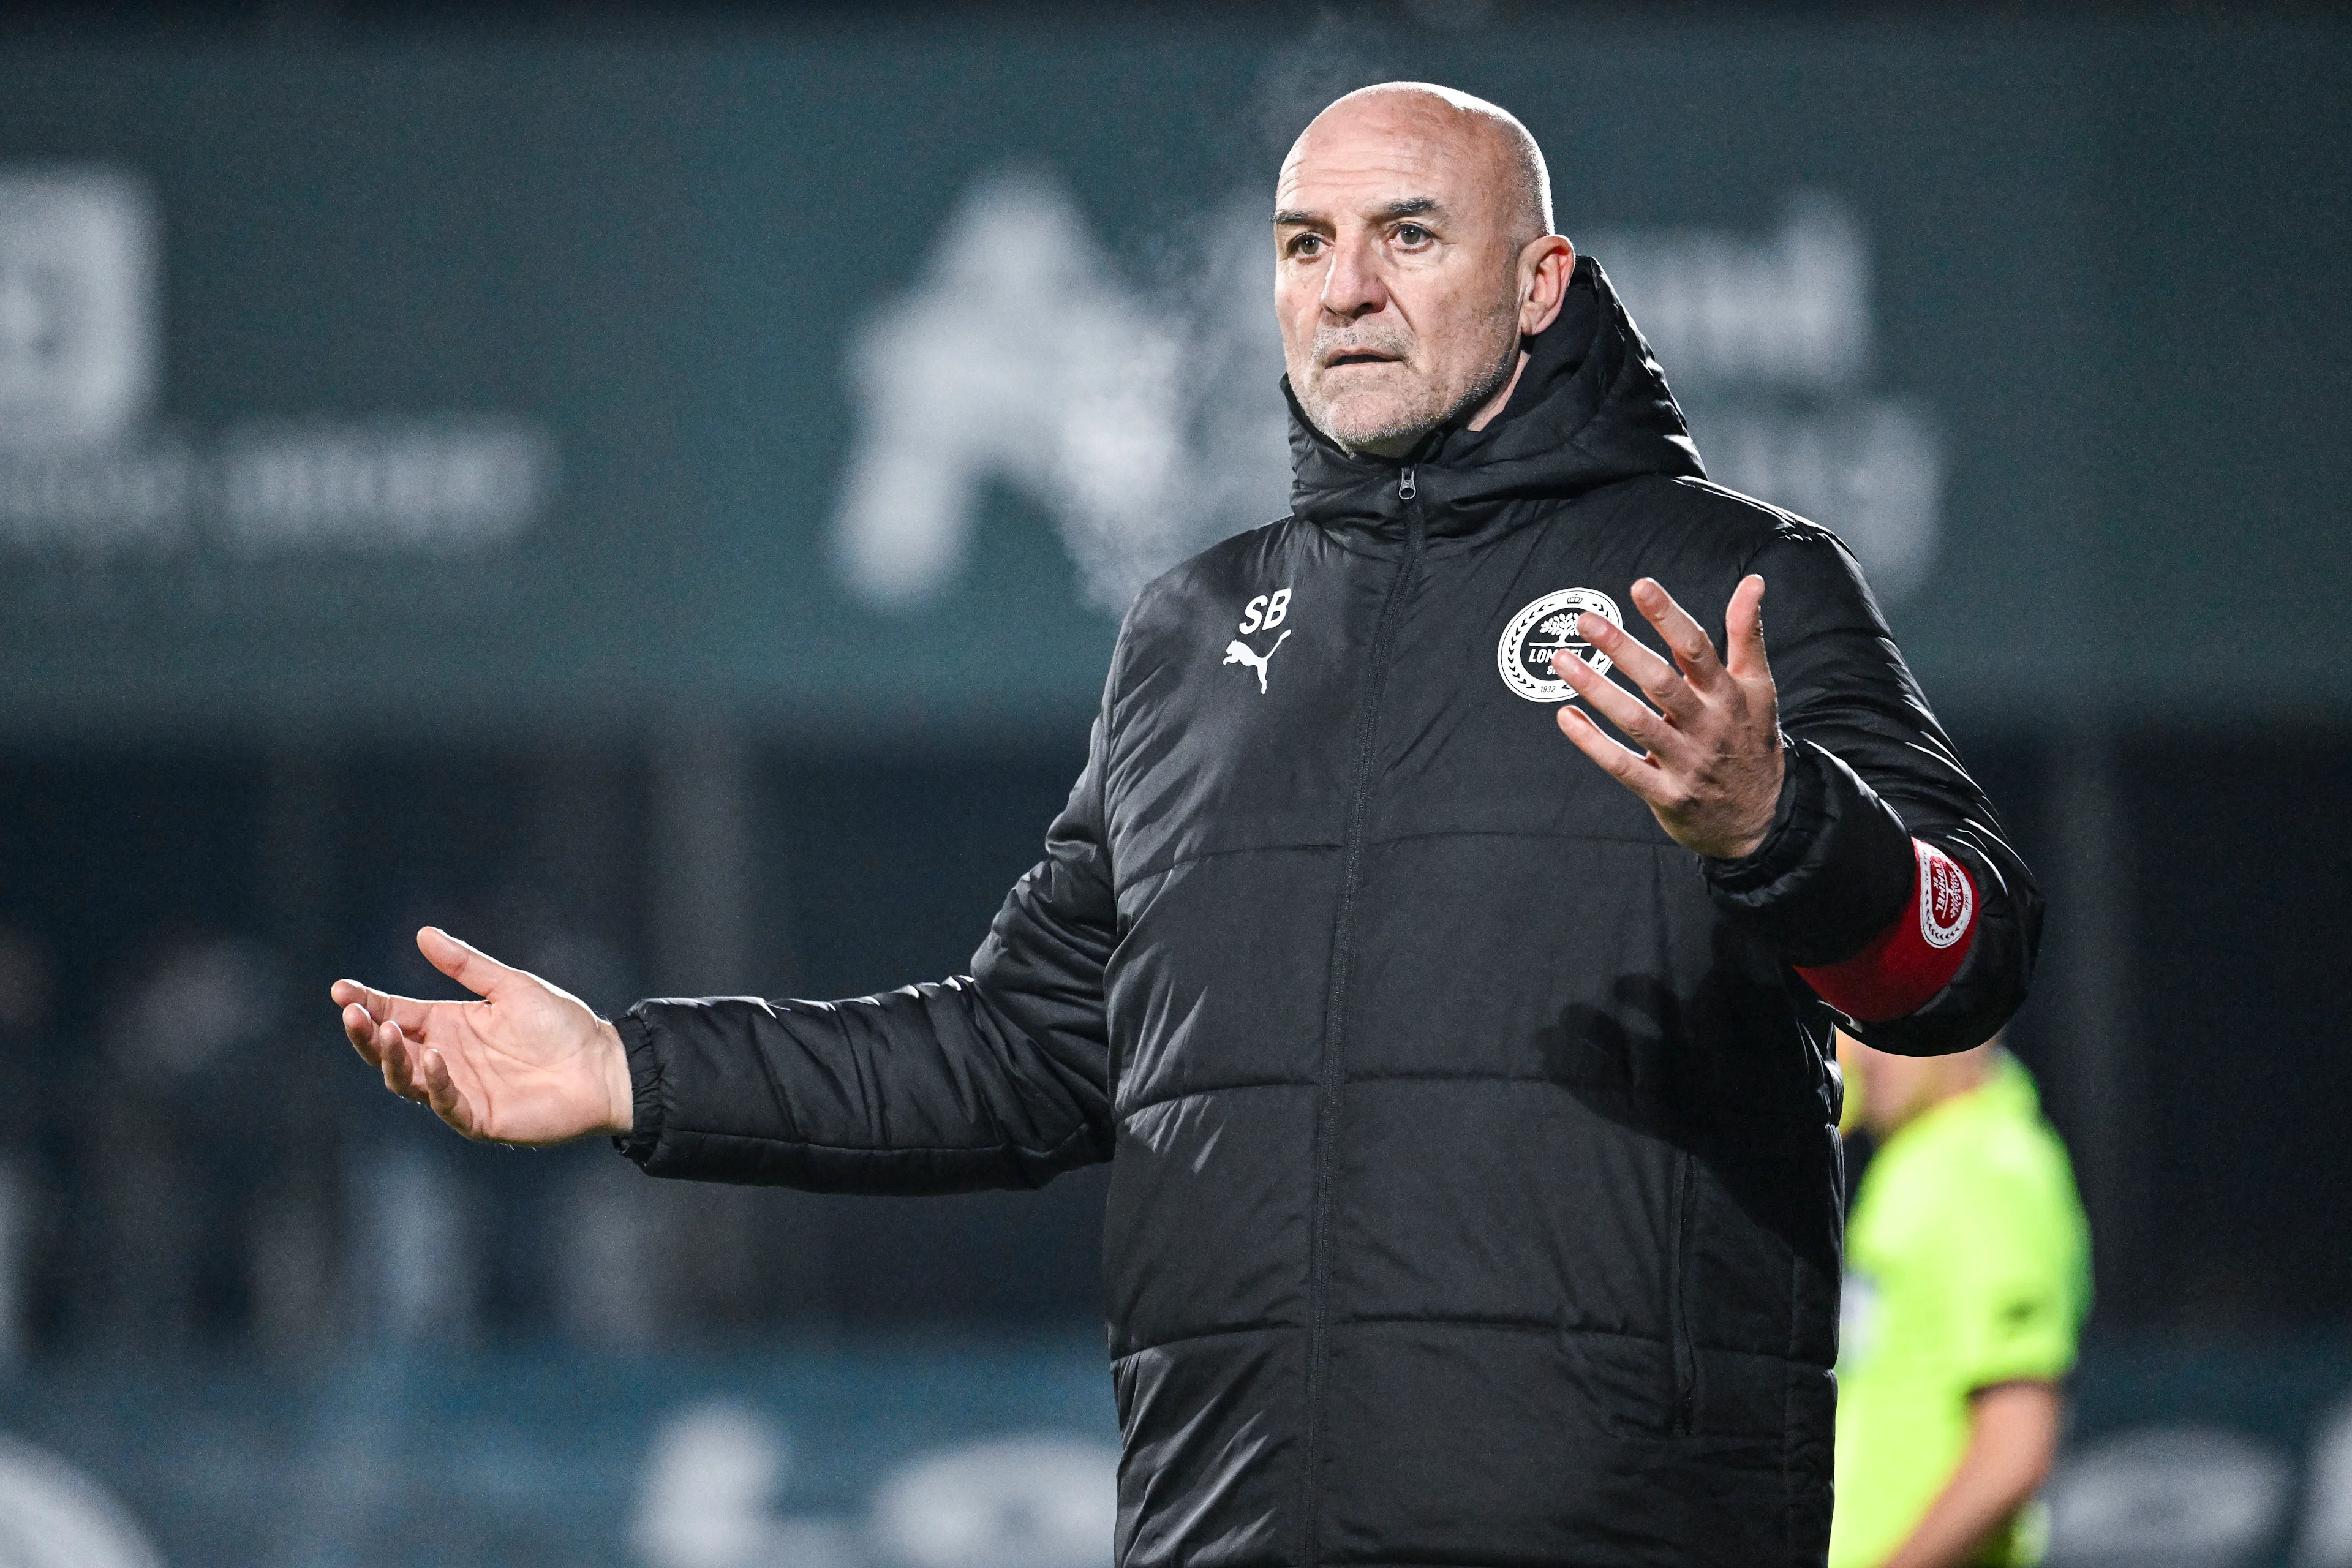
(1967, 1264)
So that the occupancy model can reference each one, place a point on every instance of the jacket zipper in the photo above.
(1679, 1411)
(1334, 1002)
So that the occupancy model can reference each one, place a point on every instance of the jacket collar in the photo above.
(1592, 407)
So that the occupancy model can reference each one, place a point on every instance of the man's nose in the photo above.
(1352, 286)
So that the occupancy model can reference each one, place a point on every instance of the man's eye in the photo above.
(1307, 244)
(1411, 234)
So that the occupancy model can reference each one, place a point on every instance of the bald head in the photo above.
(1414, 254)
(1485, 132)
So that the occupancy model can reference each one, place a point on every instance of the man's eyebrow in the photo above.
(1403, 206)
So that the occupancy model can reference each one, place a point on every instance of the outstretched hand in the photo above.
(528, 1063)
(1710, 768)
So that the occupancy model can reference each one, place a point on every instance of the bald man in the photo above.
(1476, 1191)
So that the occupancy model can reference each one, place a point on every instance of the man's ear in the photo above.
(1545, 266)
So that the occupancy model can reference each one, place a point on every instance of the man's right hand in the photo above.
(527, 1064)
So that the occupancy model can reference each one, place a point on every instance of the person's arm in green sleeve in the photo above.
(2012, 1436)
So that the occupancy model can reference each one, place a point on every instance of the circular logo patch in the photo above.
(1544, 629)
(1947, 902)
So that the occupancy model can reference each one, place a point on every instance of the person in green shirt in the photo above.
(1968, 1276)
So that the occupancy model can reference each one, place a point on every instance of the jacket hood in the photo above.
(1592, 407)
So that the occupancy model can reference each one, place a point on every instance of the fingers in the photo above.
(1677, 688)
(1684, 690)
(391, 1049)
(399, 1069)
(1743, 630)
(380, 1044)
(1633, 772)
(1613, 702)
(384, 1045)
(359, 1029)
(406, 1010)
(442, 1094)
(1705, 761)
(1693, 650)
(1659, 681)
(471, 967)
(410, 1071)
(381, 1028)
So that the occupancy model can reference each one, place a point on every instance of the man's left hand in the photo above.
(1711, 771)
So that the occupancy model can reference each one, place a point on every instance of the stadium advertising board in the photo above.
(876, 1455)
(854, 382)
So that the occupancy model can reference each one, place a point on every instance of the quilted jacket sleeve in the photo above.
(998, 1078)
(1869, 770)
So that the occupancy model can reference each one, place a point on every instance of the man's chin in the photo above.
(1365, 424)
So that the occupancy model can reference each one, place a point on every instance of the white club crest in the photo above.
(1947, 902)
(1544, 629)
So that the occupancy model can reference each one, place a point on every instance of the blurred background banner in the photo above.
(652, 489)
(924, 1453)
(935, 1455)
(844, 377)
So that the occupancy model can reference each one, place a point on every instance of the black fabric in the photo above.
(1476, 1197)
(1834, 870)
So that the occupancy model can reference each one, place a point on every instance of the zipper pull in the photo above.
(1406, 488)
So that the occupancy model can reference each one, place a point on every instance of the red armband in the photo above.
(1906, 964)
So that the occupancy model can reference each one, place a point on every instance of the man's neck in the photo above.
(1490, 410)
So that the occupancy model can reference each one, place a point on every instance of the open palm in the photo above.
(530, 1063)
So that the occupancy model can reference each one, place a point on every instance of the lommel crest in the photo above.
(1544, 629)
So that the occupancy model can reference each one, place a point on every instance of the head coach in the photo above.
(1475, 1195)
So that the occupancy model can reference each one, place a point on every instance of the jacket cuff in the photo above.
(1833, 871)
(645, 1084)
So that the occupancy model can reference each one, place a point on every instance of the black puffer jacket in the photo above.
(1475, 1199)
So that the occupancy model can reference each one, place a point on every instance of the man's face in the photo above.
(1397, 278)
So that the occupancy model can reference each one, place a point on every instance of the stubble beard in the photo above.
(1360, 421)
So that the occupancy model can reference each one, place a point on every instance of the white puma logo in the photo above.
(1238, 652)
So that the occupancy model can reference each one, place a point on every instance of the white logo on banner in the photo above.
(1766, 339)
(54, 1516)
(1015, 1502)
(1149, 425)
(81, 469)
(709, 1494)
(77, 308)
(2166, 1497)
(716, 1474)
(1147, 429)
